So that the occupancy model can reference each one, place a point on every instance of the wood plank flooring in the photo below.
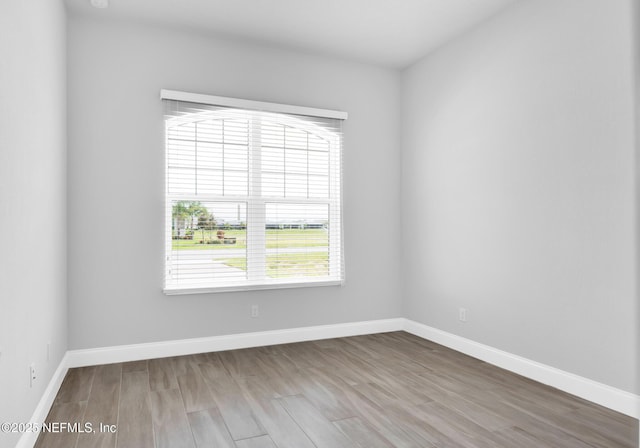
(376, 391)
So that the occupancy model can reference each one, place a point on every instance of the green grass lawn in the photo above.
(290, 265)
(275, 239)
(297, 238)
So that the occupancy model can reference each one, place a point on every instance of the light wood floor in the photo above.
(381, 390)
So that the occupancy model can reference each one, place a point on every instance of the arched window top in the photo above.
(320, 131)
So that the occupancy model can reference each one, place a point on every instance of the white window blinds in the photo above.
(253, 195)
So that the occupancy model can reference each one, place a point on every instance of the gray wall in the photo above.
(518, 187)
(33, 303)
(116, 182)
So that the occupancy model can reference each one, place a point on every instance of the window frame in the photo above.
(256, 203)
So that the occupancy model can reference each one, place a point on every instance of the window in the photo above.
(253, 195)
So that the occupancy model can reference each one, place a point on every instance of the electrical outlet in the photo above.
(255, 311)
(32, 374)
(48, 351)
(462, 314)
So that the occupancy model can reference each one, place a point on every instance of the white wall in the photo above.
(33, 308)
(518, 187)
(636, 55)
(116, 178)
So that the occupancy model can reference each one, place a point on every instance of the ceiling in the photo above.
(392, 33)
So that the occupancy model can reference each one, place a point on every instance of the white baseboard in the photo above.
(610, 397)
(602, 394)
(28, 439)
(123, 353)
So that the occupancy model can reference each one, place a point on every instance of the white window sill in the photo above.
(181, 290)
